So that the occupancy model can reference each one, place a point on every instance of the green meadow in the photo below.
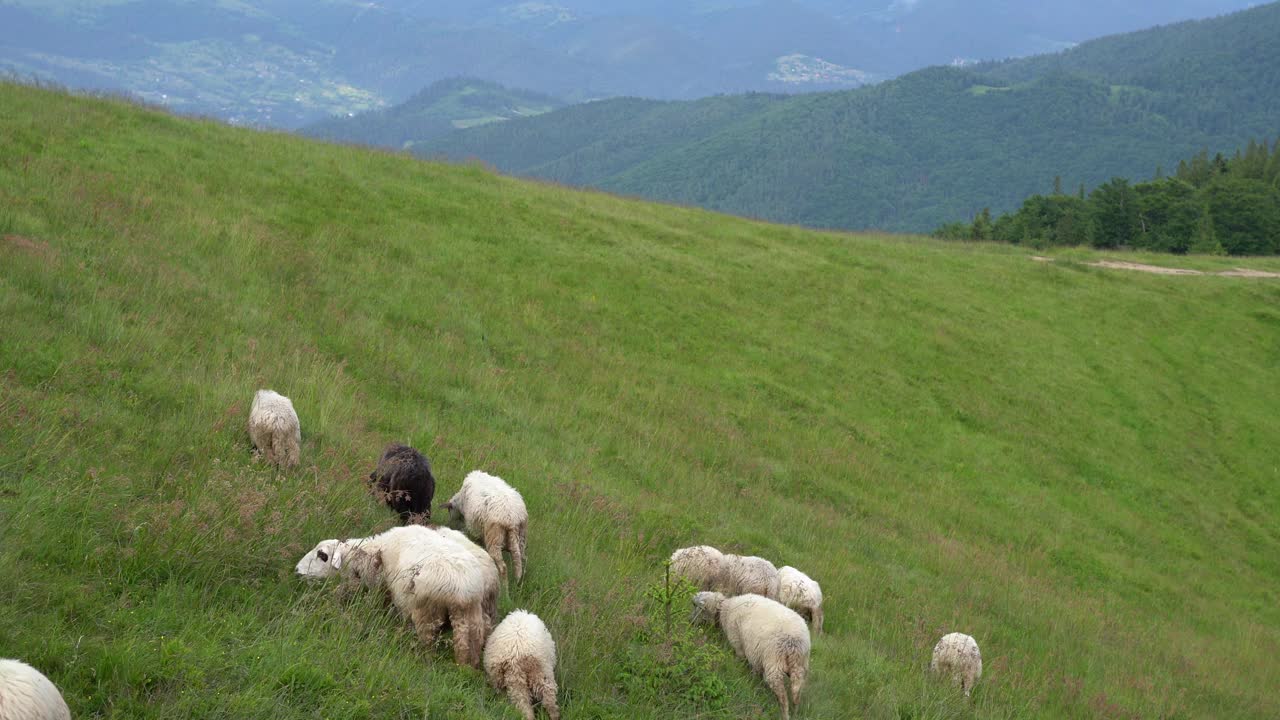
(1076, 466)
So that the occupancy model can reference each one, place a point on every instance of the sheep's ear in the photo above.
(338, 556)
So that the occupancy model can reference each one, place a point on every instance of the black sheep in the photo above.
(404, 482)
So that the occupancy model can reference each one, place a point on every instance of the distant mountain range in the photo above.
(445, 106)
(931, 146)
(289, 62)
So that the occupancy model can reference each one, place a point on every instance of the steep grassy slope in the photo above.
(926, 148)
(1076, 466)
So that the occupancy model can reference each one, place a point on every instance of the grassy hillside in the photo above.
(441, 107)
(926, 148)
(1074, 465)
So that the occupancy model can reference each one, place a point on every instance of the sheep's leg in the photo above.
(427, 620)
(517, 552)
(493, 540)
(518, 689)
(777, 682)
(817, 620)
(799, 674)
(546, 692)
(468, 635)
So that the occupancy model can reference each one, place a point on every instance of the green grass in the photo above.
(1076, 466)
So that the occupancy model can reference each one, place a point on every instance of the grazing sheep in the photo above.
(26, 694)
(404, 482)
(956, 655)
(802, 594)
(700, 565)
(494, 510)
(430, 577)
(274, 429)
(771, 637)
(491, 581)
(520, 658)
(742, 575)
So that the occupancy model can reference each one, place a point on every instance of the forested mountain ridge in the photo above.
(925, 148)
(1218, 206)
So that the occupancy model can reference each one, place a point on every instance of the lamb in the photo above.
(701, 565)
(26, 694)
(741, 575)
(429, 577)
(404, 482)
(772, 638)
(520, 658)
(956, 655)
(274, 429)
(802, 594)
(494, 510)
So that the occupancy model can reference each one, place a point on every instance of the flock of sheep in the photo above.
(438, 578)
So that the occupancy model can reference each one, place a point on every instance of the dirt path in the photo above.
(1159, 270)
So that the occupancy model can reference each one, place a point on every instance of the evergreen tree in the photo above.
(1115, 214)
(981, 226)
(1206, 240)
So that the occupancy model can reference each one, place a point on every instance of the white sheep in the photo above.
(492, 583)
(772, 638)
(740, 575)
(957, 656)
(520, 658)
(26, 694)
(700, 565)
(494, 511)
(802, 594)
(429, 576)
(274, 428)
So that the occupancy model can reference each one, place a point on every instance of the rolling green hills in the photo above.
(441, 107)
(1077, 466)
(929, 147)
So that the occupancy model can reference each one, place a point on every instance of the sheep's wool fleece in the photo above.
(488, 500)
(26, 694)
(701, 564)
(753, 624)
(520, 634)
(797, 590)
(273, 410)
(958, 654)
(274, 427)
(749, 574)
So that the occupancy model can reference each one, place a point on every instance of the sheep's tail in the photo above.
(795, 660)
(518, 676)
(515, 543)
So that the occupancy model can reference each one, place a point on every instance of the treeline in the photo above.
(1213, 206)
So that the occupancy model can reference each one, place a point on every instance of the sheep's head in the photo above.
(324, 560)
(454, 508)
(706, 606)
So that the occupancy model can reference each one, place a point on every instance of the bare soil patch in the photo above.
(1161, 270)
(28, 245)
